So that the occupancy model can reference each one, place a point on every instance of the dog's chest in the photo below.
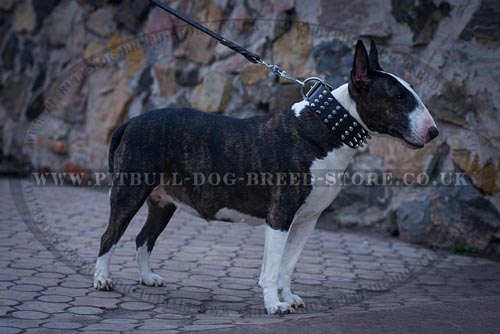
(326, 186)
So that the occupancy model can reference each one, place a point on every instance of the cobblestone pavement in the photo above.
(47, 253)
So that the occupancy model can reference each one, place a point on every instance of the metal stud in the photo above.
(345, 115)
(359, 135)
(333, 112)
(316, 100)
(320, 96)
(326, 103)
(356, 146)
(330, 99)
(351, 128)
(362, 131)
(333, 128)
(313, 105)
(341, 120)
(354, 123)
(350, 143)
(326, 121)
(342, 137)
(318, 112)
(325, 91)
(322, 108)
(337, 107)
(329, 116)
(346, 133)
(337, 124)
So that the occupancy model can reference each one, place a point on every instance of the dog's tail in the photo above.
(113, 145)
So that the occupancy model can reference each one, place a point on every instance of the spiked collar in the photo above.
(338, 119)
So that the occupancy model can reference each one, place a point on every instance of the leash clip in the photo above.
(281, 72)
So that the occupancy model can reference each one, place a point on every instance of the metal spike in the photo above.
(320, 96)
(350, 143)
(341, 120)
(363, 131)
(326, 103)
(356, 146)
(325, 91)
(326, 121)
(337, 107)
(359, 135)
(355, 139)
(316, 100)
(318, 112)
(346, 132)
(337, 124)
(351, 128)
(342, 137)
(313, 105)
(333, 112)
(333, 128)
(330, 99)
(345, 115)
(354, 123)
(329, 116)
(322, 108)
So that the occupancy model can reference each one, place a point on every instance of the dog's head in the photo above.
(387, 104)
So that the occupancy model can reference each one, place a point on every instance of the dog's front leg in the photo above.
(299, 233)
(273, 250)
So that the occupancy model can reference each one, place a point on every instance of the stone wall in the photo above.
(72, 71)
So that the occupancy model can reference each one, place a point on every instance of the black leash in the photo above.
(319, 96)
(250, 56)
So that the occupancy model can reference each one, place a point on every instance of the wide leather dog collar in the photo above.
(345, 127)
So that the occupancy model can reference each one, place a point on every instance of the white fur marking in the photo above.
(298, 107)
(271, 262)
(147, 276)
(102, 280)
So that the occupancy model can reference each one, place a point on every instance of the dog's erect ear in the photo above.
(373, 57)
(360, 67)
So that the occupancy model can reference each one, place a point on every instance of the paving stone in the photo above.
(30, 315)
(8, 302)
(85, 310)
(137, 306)
(10, 330)
(55, 298)
(43, 306)
(62, 325)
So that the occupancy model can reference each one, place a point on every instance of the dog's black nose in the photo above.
(433, 133)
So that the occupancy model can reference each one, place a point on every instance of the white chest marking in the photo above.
(298, 107)
(324, 190)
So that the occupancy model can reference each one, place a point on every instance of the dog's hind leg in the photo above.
(158, 217)
(125, 202)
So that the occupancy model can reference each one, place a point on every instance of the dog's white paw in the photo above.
(279, 308)
(152, 279)
(293, 300)
(103, 282)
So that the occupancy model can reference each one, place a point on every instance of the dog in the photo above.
(182, 142)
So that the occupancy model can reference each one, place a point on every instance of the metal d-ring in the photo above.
(317, 82)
